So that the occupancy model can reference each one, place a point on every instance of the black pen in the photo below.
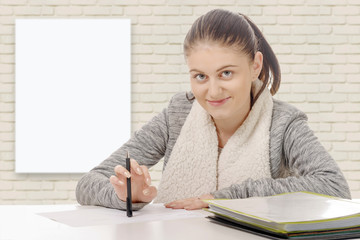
(128, 183)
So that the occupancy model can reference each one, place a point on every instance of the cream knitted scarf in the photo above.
(194, 167)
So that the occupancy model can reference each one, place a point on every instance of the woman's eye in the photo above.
(200, 77)
(226, 74)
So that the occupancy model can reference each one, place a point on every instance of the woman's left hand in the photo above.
(190, 203)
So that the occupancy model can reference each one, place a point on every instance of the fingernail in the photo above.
(148, 181)
(120, 182)
(138, 170)
(146, 192)
(127, 174)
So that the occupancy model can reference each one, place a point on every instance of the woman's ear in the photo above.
(257, 65)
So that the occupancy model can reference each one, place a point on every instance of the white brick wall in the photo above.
(317, 43)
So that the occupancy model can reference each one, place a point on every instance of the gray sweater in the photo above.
(298, 162)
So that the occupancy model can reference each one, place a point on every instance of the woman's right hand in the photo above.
(141, 190)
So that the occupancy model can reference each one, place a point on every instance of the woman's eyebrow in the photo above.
(191, 70)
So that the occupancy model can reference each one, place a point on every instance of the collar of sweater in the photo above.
(194, 167)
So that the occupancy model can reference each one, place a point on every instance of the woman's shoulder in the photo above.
(181, 102)
(178, 109)
(285, 116)
(283, 111)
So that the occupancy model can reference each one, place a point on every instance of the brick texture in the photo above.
(318, 47)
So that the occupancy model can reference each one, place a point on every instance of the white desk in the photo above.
(23, 222)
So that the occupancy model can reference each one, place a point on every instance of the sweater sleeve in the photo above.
(147, 146)
(310, 166)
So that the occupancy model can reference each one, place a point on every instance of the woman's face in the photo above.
(221, 80)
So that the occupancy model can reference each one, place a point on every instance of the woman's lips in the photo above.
(218, 102)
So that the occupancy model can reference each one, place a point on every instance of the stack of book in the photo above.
(297, 215)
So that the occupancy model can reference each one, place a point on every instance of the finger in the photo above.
(147, 176)
(170, 204)
(180, 204)
(119, 177)
(121, 171)
(196, 204)
(136, 167)
(116, 181)
(118, 187)
(149, 194)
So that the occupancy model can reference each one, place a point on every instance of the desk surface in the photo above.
(23, 222)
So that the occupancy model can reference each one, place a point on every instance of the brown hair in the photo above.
(236, 30)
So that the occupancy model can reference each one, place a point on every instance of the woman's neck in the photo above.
(225, 128)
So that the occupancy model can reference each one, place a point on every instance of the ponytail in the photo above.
(270, 73)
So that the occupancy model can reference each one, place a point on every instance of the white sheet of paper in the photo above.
(92, 215)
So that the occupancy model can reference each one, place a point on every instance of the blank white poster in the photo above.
(72, 93)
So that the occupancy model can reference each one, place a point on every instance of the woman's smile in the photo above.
(217, 103)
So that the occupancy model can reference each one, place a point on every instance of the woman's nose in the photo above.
(214, 88)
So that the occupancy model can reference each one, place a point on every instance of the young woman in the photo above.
(227, 138)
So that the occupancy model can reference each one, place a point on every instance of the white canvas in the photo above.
(72, 93)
